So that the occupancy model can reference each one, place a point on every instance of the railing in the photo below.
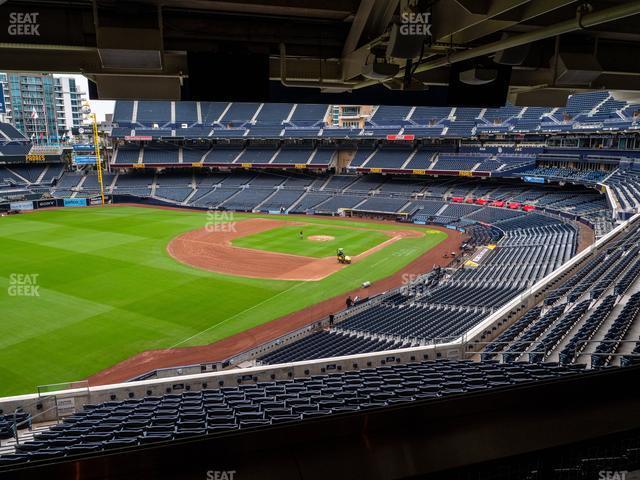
(31, 419)
(56, 387)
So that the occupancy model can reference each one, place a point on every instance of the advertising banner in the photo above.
(87, 148)
(84, 159)
(533, 179)
(27, 205)
(75, 202)
(46, 203)
(98, 200)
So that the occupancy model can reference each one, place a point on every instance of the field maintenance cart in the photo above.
(342, 258)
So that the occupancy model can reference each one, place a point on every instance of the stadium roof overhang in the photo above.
(550, 48)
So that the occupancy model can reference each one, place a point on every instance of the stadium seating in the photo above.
(282, 200)
(333, 204)
(388, 158)
(256, 155)
(211, 111)
(10, 422)
(322, 157)
(144, 421)
(390, 115)
(150, 112)
(328, 344)
(246, 200)
(293, 156)
(274, 113)
(127, 155)
(626, 187)
(91, 182)
(602, 355)
(587, 111)
(308, 201)
(123, 112)
(577, 343)
(382, 204)
(68, 181)
(239, 113)
(212, 198)
(193, 154)
(569, 174)
(570, 331)
(222, 155)
(174, 194)
(186, 112)
(160, 154)
(30, 173)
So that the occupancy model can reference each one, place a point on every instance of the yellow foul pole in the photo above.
(96, 143)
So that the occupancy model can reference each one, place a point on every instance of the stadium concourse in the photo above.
(538, 313)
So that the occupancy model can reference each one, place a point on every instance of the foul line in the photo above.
(237, 314)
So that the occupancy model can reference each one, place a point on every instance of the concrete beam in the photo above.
(357, 27)
(451, 17)
(377, 22)
(501, 15)
(77, 60)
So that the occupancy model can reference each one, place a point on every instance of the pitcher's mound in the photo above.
(321, 238)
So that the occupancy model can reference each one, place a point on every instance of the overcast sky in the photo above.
(99, 107)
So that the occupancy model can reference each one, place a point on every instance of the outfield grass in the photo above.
(107, 289)
(287, 240)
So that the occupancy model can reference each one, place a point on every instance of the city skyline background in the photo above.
(99, 107)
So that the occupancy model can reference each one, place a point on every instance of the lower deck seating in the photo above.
(205, 197)
(337, 202)
(247, 199)
(413, 322)
(328, 344)
(176, 194)
(309, 201)
(282, 200)
(382, 204)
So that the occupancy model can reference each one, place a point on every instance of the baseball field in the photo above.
(84, 289)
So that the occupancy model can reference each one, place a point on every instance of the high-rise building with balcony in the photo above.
(42, 106)
(69, 100)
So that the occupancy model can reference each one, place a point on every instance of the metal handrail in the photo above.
(29, 421)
